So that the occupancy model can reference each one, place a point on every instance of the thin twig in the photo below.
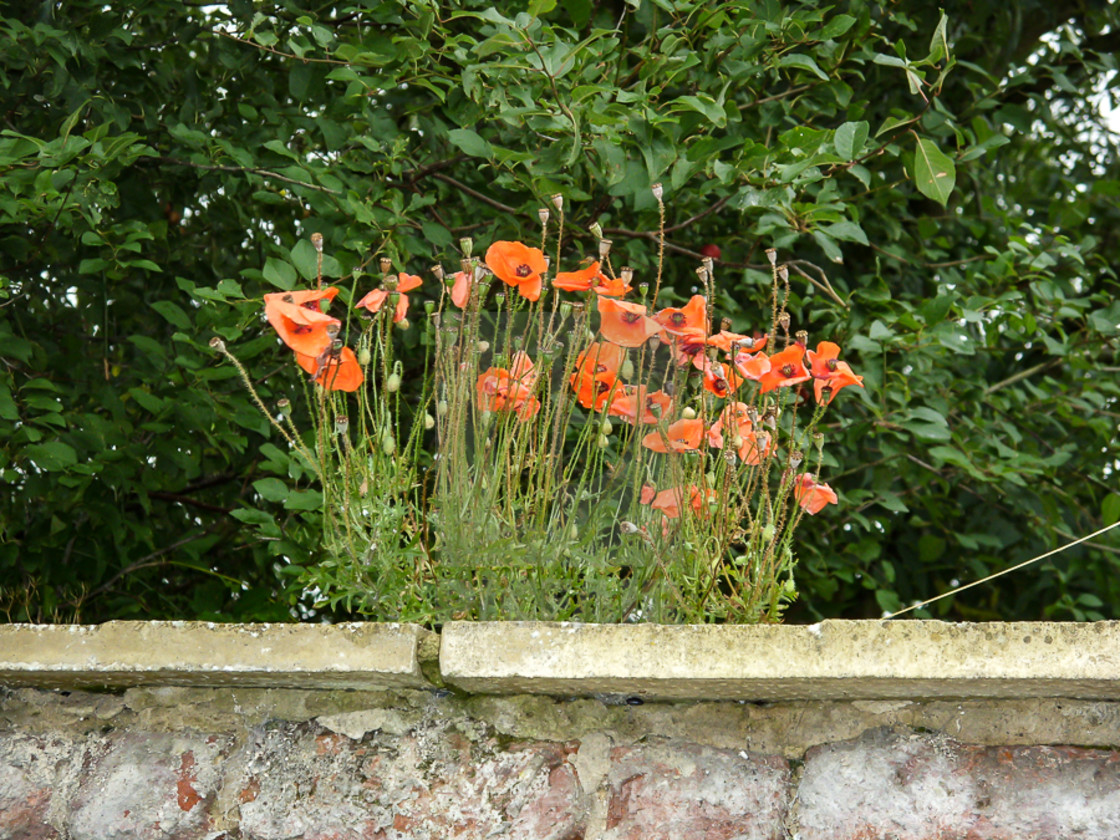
(459, 185)
(252, 170)
(263, 48)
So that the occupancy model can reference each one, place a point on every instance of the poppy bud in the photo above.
(317, 242)
(627, 369)
(364, 356)
(604, 441)
(768, 533)
(688, 413)
(605, 427)
(403, 324)
(393, 383)
(483, 346)
(573, 531)
(596, 230)
(441, 408)
(429, 421)
(657, 191)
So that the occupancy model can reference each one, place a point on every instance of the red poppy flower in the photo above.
(786, 369)
(595, 373)
(611, 286)
(517, 265)
(829, 373)
(718, 379)
(813, 495)
(299, 320)
(730, 342)
(752, 365)
(682, 436)
(376, 299)
(690, 321)
(461, 290)
(625, 323)
(636, 404)
(510, 390)
(334, 370)
(669, 501)
(734, 422)
(577, 281)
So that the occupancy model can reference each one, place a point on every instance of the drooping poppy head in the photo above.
(682, 436)
(517, 265)
(461, 290)
(577, 281)
(334, 370)
(299, 319)
(595, 373)
(625, 324)
(637, 404)
(786, 369)
(813, 495)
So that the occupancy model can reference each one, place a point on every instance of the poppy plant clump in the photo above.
(571, 445)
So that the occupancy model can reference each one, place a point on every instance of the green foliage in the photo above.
(943, 188)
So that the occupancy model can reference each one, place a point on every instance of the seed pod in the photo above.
(542, 214)
(772, 255)
(317, 242)
(657, 191)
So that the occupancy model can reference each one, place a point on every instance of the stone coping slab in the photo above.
(831, 660)
(195, 653)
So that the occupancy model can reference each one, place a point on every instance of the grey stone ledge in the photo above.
(831, 660)
(193, 653)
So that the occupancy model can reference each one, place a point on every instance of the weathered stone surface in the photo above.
(30, 770)
(689, 792)
(433, 783)
(914, 787)
(142, 785)
(833, 659)
(120, 653)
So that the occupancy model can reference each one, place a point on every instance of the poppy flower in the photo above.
(638, 405)
(689, 321)
(813, 495)
(517, 265)
(829, 373)
(718, 379)
(334, 370)
(611, 286)
(376, 299)
(682, 436)
(734, 422)
(625, 324)
(509, 390)
(730, 342)
(751, 365)
(461, 290)
(595, 373)
(669, 501)
(578, 281)
(299, 320)
(786, 368)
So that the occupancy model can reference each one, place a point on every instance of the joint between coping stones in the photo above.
(427, 655)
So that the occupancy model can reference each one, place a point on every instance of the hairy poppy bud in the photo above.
(688, 413)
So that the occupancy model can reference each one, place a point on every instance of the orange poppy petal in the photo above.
(625, 324)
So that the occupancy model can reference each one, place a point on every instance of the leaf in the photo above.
(938, 43)
(934, 173)
(802, 62)
(306, 260)
(836, 27)
(980, 149)
(279, 274)
(271, 489)
(541, 7)
(52, 456)
(704, 105)
(850, 139)
(1110, 509)
(846, 231)
(470, 142)
(173, 313)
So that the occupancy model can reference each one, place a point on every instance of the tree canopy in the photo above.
(943, 187)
